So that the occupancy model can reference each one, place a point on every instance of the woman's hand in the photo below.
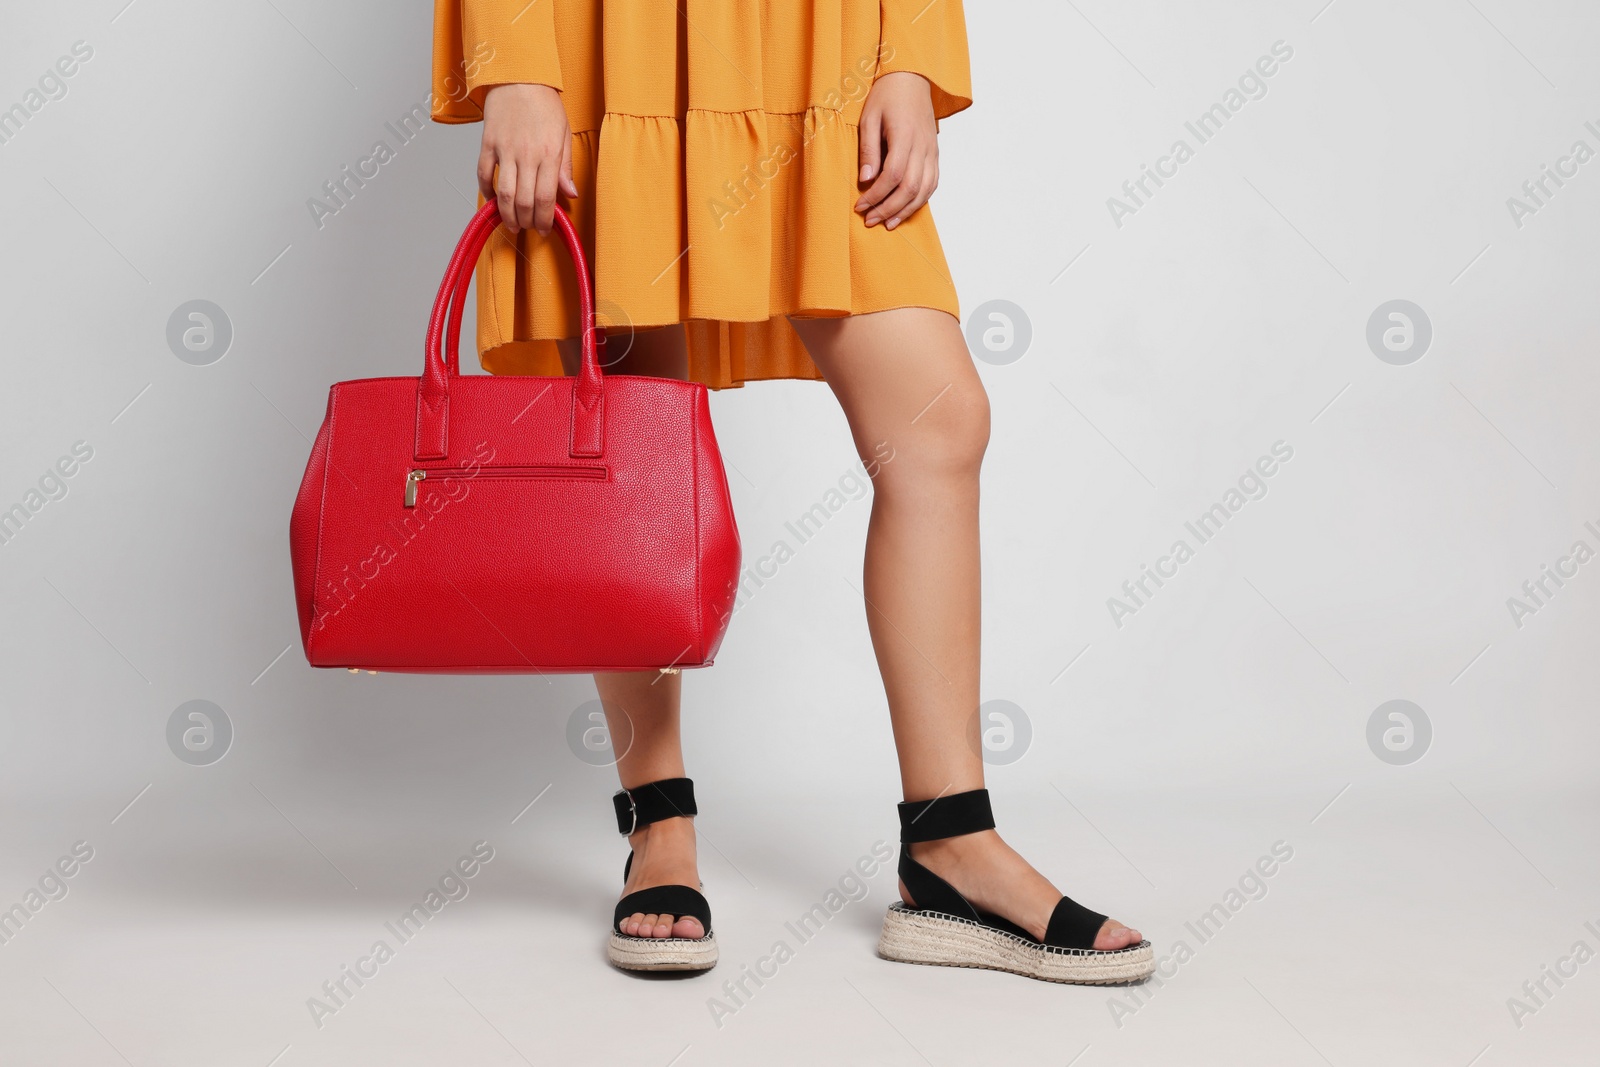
(899, 147)
(525, 133)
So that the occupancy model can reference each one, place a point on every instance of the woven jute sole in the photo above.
(931, 937)
(662, 953)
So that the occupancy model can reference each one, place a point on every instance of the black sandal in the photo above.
(944, 929)
(638, 807)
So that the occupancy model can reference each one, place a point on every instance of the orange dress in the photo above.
(715, 151)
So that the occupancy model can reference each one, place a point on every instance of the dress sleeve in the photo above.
(482, 43)
(930, 39)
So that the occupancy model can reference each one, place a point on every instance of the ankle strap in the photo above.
(946, 816)
(652, 802)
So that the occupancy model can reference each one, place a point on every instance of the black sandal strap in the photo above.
(931, 892)
(676, 900)
(1072, 925)
(947, 816)
(652, 802)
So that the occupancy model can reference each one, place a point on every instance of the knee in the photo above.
(948, 439)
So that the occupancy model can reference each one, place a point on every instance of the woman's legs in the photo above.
(910, 392)
(642, 706)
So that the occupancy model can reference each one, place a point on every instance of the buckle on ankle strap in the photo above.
(633, 814)
(652, 802)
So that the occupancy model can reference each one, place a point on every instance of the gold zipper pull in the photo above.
(411, 487)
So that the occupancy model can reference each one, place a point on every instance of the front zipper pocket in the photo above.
(548, 472)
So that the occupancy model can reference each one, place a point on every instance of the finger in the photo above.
(505, 194)
(895, 168)
(871, 146)
(909, 185)
(898, 204)
(925, 187)
(544, 194)
(527, 183)
(567, 184)
(486, 172)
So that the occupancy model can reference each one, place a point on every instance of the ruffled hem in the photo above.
(685, 220)
(722, 355)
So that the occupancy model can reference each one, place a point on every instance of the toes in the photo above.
(1113, 935)
(641, 925)
(638, 925)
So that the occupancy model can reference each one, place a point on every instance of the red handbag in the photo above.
(513, 524)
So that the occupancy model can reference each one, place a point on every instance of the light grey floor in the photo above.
(1410, 913)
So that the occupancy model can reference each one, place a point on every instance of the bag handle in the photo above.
(452, 330)
(442, 360)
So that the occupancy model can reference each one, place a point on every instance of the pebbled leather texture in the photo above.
(560, 524)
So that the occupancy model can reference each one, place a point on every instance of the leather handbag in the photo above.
(513, 524)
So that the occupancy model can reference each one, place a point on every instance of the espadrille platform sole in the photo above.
(912, 935)
(662, 953)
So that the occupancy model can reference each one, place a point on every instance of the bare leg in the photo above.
(642, 706)
(920, 420)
